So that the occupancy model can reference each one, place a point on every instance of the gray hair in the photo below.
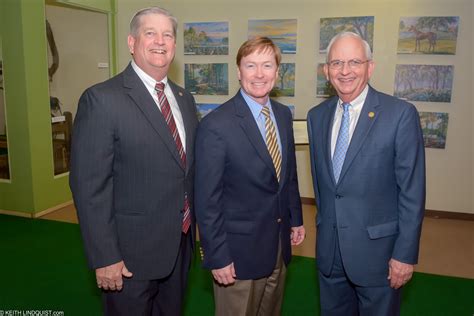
(135, 22)
(368, 51)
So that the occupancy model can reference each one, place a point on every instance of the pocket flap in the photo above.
(383, 230)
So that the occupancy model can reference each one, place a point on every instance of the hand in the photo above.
(225, 275)
(110, 277)
(297, 235)
(399, 273)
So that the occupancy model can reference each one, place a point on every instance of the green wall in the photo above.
(32, 186)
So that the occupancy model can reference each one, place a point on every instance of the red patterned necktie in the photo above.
(168, 115)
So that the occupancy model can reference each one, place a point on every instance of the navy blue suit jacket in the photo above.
(376, 208)
(242, 211)
(127, 178)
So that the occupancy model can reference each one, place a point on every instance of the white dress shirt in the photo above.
(354, 113)
(150, 84)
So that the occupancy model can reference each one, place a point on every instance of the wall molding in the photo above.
(38, 214)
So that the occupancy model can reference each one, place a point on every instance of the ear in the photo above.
(238, 72)
(371, 68)
(131, 43)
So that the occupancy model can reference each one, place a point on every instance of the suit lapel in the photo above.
(327, 122)
(283, 132)
(147, 105)
(250, 128)
(362, 129)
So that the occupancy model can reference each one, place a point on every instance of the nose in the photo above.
(158, 39)
(259, 72)
(345, 68)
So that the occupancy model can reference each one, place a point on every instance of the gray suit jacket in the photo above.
(126, 177)
(376, 209)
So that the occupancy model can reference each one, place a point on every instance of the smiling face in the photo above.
(257, 74)
(348, 82)
(154, 45)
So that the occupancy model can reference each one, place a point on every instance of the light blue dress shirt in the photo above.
(256, 109)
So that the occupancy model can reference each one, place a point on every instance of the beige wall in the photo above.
(450, 172)
(2, 101)
(82, 40)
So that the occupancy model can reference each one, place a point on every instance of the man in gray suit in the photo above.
(132, 170)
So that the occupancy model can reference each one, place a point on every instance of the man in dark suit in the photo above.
(132, 172)
(368, 167)
(248, 206)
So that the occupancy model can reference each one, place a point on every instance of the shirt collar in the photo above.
(358, 102)
(148, 80)
(254, 106)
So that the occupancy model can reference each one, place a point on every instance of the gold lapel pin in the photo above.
(371, 114)
(180, 94)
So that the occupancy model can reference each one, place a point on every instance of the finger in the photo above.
(126, 273)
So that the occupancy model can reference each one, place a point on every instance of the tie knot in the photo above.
(160, 86)
(346, 106)
(265, 111)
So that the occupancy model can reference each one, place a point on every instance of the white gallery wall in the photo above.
(450, 173)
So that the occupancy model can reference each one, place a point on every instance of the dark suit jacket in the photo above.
(241, 208)
(376, 209)
(126, 177)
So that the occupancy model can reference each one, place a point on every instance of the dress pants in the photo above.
(161, 297)
(340, 297)
(261, 297)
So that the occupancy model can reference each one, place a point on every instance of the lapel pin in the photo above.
(371, 114)
(180, 93)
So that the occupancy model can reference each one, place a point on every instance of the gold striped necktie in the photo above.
(272, 143)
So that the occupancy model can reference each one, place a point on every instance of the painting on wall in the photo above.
(204, 109)
(206, 38)
(324, 88)
(282, 32)
(428, 35)
(285, 84)
(435, 128)
(429, 83)
(329, 27)
(206, 79)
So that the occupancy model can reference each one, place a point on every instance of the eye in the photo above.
(149, 33)
(268, 66)
(336, 63)
(169, 35)
(354, 63)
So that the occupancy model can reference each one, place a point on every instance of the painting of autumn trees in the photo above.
(435, 128)
(329, 27)
(206, 79)
(429, 83)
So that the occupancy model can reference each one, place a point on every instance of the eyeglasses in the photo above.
(353, 64)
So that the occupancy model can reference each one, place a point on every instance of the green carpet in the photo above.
(43, 267)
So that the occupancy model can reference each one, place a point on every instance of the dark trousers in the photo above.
(161, 297)
(340, 297)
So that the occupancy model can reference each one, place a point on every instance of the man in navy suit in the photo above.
(368, 166)
(132, 175)
(248, 206)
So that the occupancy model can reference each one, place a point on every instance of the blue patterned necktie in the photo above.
(342, 143)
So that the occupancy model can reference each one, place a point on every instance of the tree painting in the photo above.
(428, 35)
(206, 38)
(329, 27)
(435, 128)
(324, 88)
(282, 32)
(285, 85)
(206, 79)
(429, 83)
(204, 109)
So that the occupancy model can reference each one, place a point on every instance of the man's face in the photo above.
(257, 74)
(154, 46)
(348, 81)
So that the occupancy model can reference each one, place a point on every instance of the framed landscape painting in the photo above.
(285, 84)
(204, 109)
(206, 79)
(428, 35)
(282, 32)
(206, 38)
(329, 27)
(435, 128)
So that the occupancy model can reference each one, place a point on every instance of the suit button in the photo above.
(338, 196)
(279, 220)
